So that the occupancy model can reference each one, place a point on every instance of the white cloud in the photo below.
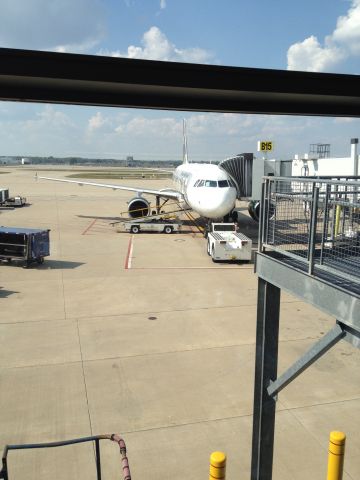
(140, 126)
(156, 46)
(340, 45)
(31, 129)
(309, 55)
(162, 4)
(66, 25)
(219, 124)
(214, 124)
(96, 121)
(49, 118)
(347, 30)
(211, 136)
(46, 130)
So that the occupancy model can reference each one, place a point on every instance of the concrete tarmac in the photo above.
(144, 336)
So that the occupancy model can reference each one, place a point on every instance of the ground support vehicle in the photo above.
(26, 244)
(14, 202)
(6, 201)
(151, 225)
(225, 243)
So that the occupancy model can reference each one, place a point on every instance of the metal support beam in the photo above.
(352, 335)
(267, 339)
(157, 204)
(51, 77)
(335, 300)
(313, 224)
(97, 458)
(314, 353)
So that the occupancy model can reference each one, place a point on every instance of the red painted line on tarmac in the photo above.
(88, 228)
(129, 254)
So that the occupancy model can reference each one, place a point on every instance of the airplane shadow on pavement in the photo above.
(6, 293)
(47, 265)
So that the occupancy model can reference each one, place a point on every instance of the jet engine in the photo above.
(254, 210)
(138, 207)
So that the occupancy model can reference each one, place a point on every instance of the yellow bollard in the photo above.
(336, 455)
(217, 465)
(337, 220)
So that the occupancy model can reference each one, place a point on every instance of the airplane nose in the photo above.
(217, 203)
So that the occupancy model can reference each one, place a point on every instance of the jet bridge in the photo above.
(240, 169)
(309, 245)
(246, 172)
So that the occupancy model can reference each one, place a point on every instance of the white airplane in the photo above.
(202, 187)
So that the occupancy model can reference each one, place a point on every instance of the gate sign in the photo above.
(265, 146)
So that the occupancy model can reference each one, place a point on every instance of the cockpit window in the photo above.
(223, 183)
(210, 183)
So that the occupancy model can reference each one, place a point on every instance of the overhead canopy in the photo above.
(50, 77)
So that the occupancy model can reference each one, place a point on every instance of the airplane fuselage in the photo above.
(206, 188)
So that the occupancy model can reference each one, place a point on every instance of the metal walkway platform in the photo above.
(328, 277)
(309, 246)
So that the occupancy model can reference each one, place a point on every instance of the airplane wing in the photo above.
(164, 193)
(156, 169)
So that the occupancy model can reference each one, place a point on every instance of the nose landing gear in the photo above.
(231, 217)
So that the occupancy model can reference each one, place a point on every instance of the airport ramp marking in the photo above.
(129, 253)
(89, 226)
(98, 227)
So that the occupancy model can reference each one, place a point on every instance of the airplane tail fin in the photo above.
(185, 150)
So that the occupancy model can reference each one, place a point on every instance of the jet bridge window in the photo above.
(223, 183)
(210, 183)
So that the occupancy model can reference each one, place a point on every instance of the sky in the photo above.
(311, 35)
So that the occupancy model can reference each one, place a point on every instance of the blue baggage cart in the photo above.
(26, 244)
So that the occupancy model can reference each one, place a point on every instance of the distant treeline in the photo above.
(15, 160)
(89, 161)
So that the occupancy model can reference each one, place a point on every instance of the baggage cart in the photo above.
(152, 224)
(26, 244)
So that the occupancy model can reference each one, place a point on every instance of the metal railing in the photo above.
(4, 473)
(315, 222)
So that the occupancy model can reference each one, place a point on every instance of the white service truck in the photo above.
(225, 243)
